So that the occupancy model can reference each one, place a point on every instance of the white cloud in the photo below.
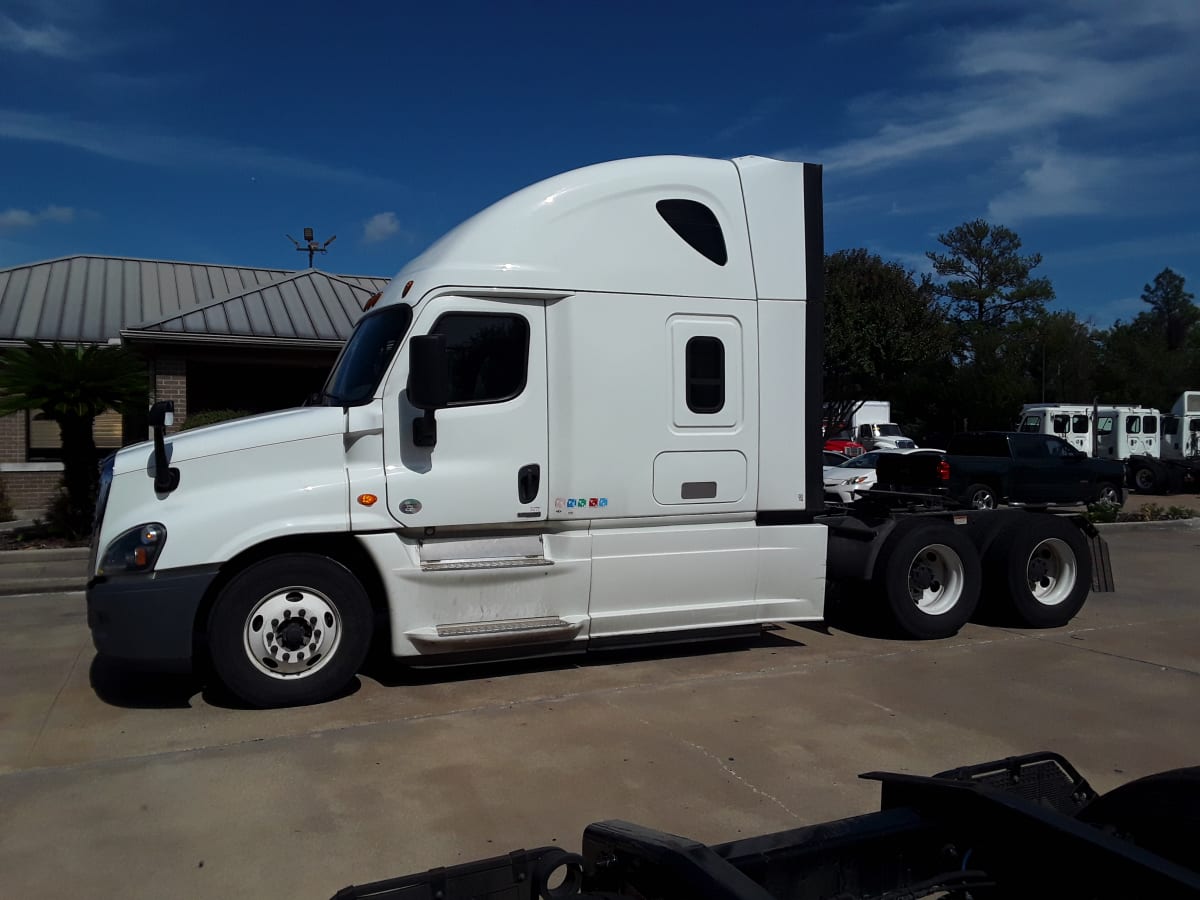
(380, 227)
(167, 150)
(14, 219)
(1042, 69)
(47, 40)
(1056, 183)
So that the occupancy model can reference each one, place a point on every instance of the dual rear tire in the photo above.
(932, 576)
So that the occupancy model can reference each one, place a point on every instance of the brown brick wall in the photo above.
(170, 383)
(12, 438)
(31, 490)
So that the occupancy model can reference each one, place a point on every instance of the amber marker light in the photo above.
(367, 499)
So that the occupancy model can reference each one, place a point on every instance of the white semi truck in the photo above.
(567, 425)
(1161, 452)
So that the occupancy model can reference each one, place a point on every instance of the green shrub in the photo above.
(212, 417)
(1103, 511)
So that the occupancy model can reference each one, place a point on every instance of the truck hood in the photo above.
(239, 434)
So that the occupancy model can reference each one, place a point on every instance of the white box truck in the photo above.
(567, 425)
(875, 430)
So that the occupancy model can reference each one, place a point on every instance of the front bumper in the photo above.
(148, 620)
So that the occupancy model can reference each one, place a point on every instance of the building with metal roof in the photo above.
(214, 337)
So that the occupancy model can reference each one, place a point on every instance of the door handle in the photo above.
(529, 479)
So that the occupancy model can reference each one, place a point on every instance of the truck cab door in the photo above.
(488, 465)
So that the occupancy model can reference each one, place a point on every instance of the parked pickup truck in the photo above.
(984, 469)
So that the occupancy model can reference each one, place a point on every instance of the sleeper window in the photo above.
(705, 375)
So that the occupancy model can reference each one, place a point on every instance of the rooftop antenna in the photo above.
(311, 245)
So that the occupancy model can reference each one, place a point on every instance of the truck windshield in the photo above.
(889, 430)
(366, 356)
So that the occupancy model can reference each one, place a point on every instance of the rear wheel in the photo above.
(1041, 570)
(1109, 493)
(979, 496)
(1160, 813)
(1146, 479)
(930, 579)
(290, 630)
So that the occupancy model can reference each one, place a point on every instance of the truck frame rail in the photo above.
(1018, 827)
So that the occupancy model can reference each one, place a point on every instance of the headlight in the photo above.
(135, 550)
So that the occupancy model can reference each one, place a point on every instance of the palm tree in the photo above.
(71, 386)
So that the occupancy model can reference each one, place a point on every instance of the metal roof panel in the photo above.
(93, 298)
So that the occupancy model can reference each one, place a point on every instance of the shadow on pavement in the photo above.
(119, 684)
(392, 672)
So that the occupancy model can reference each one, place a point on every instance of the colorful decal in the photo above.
(571, 503)
(604, 501)
(595, 501)
(559, 504)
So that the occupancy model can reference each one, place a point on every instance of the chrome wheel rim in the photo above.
(983, 500)
(292, 633)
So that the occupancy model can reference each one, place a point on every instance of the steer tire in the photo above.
(1039, 571)
(920, 607)
(266, 653)
(980, 496)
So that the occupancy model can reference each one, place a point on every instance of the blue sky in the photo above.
(206, 131)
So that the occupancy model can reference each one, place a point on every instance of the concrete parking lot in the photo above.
(114, 784)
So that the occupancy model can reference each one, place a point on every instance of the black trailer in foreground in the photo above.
(1028, 826)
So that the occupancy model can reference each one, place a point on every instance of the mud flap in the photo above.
(1102, 576)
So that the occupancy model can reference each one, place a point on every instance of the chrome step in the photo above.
(502, 626)
(498, 631)
(453, 565)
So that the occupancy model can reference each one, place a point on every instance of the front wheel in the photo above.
(1042, 569)
(290, 630)
(930, 578)
(980, 496)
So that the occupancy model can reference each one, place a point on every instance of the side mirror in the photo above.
(428, 384)
(428, 372)
(162, 414)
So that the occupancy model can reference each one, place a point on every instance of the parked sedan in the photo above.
(847, 480)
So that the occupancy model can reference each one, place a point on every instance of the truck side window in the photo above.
(697, 225)
(1079, 424)
(1149, 425)
(705, 375)
(1194, 425)
(1133, 424)
(1031, 425)
(1029, 447)
(1104, 425)
(1061, 423)
(1170, 426)
(489, 355)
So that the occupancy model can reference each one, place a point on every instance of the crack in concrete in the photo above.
(62, 687)
(704, 751)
